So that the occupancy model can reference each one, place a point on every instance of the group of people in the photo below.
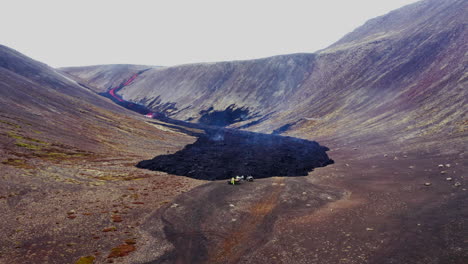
(238, 179)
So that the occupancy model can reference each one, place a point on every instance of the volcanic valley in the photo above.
(358, 153)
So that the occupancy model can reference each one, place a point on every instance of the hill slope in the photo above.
(404, 71)
(67, 156)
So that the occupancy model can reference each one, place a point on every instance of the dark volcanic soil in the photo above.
(225, 153)
(379, 210)
(226, 224)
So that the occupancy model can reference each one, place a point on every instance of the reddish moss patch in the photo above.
(130, 241)
(116, 218)
(121, 251)
(109, 229)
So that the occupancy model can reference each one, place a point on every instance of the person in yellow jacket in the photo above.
(233, 181)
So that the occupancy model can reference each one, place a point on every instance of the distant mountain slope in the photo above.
(404, 72)
(402, 75)
(182, 92)
(101, 77)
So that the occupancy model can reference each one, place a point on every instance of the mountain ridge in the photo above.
(387, 63)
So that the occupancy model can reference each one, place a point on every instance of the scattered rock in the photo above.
(449, 179)
(369, 229)
(174, 205)
(385, 155)
(443, 172)
(447, 165)
(457, 184)
(441, 165)
(231, 205)
(427, 184)
(411, 167)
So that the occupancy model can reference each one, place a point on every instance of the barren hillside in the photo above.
(405, 71)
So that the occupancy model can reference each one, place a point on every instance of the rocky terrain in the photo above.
(387, 103)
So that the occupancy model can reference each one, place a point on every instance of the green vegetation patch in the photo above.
(19, 137)
(43, 150)
(85, 260)
(10, 124)
(26, 142)
(61, 155)
(108, 178)
(18, 163)
(28, 146)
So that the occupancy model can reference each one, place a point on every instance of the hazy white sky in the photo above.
(152, 32)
